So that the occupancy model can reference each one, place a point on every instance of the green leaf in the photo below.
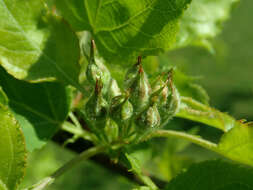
(203, 21)
(127, 28)
(12, 151)
(39, 108)
(194, 110)
(214, 175)
(36, 46)
(237, 144)
(237, 141)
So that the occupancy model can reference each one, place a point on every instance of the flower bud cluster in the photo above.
(138, 108)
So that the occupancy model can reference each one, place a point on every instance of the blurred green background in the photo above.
(227, 76)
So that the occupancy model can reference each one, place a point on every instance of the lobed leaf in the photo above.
(36, 46)
(39, 108)
(127, 28)
(12, 151)
(214, 175)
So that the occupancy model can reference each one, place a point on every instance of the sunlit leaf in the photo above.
(237, 144)
(127, 28)
(36, 46)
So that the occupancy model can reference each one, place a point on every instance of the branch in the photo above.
(69, 165)
(102, 159)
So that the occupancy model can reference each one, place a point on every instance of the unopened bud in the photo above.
(121, 109)
(96, 69)
(111, 130)
(139, 90)
(149, 118)
(132, 74)
(114, 90)
(171, 107)
(160, 91)
(126, 111)
(96, 106)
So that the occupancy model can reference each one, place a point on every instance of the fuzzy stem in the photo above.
(78, 132)
(194, 139)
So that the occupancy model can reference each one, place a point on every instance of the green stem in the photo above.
(69, 165)
(79, 132)
(147, 181)
(194, 139)
(75, 120)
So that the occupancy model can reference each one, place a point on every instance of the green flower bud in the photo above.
(126, 111)
(169, 108)
(114, 90)
(150, 118)
(96, 107)
(139, 89)
(96, 69)
(121, 109)
(160, 91)
(132, 74)
(111, 130)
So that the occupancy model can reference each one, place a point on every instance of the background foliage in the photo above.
(226, 77)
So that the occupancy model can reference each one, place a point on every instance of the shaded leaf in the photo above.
(203, 21)
(39, 108)
(127, 28)
(36, 46)
(12, 151)
(214, 175)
